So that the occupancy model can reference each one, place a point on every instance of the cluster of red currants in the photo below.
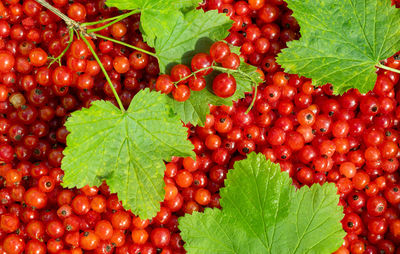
(182, 79)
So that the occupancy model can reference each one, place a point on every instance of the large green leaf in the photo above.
(125, 149)
(156, 15)
(342, 41)
(263, 213)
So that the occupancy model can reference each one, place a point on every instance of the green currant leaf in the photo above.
(156, 15)
(263, 213)
(342, 41)
(194, 32)
(196, 108)
(125, 149)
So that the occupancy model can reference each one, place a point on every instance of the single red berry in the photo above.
(164, 84)
(181, 93)
(224, 85)
(219, 50)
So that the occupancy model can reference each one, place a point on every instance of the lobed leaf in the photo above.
(263, 213)
(342, 41)
(156, 15)
(125, 149)
(194, 32)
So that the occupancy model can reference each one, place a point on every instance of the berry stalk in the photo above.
(194, 73)
(58, 58)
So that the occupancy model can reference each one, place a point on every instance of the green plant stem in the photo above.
(379, 65)
(193, 74)
(229, 71)
(121, 106)
(71, 38)
(126, 45)
(125, 15)
(119, 18)
(254, 99)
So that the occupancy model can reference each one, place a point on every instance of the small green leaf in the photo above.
(194, 32)
(342, 41)
(196, 108)
(125, 149)
(263, 213)
(156, 15)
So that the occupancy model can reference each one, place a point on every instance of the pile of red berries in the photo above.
(351, 140)
(183, 79)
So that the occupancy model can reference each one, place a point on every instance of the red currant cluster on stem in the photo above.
(183, 79)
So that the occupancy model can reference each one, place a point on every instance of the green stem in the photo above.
(105, 73)
(120, 17)
(254, 99)
(58, 58)
(194, 73)
(387, 68)
(125, 44)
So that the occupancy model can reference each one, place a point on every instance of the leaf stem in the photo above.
(254, 99)
(114, 20)
(121, 106)
(119, 17)
(126, 45)
(379, 65)
(58, 58)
